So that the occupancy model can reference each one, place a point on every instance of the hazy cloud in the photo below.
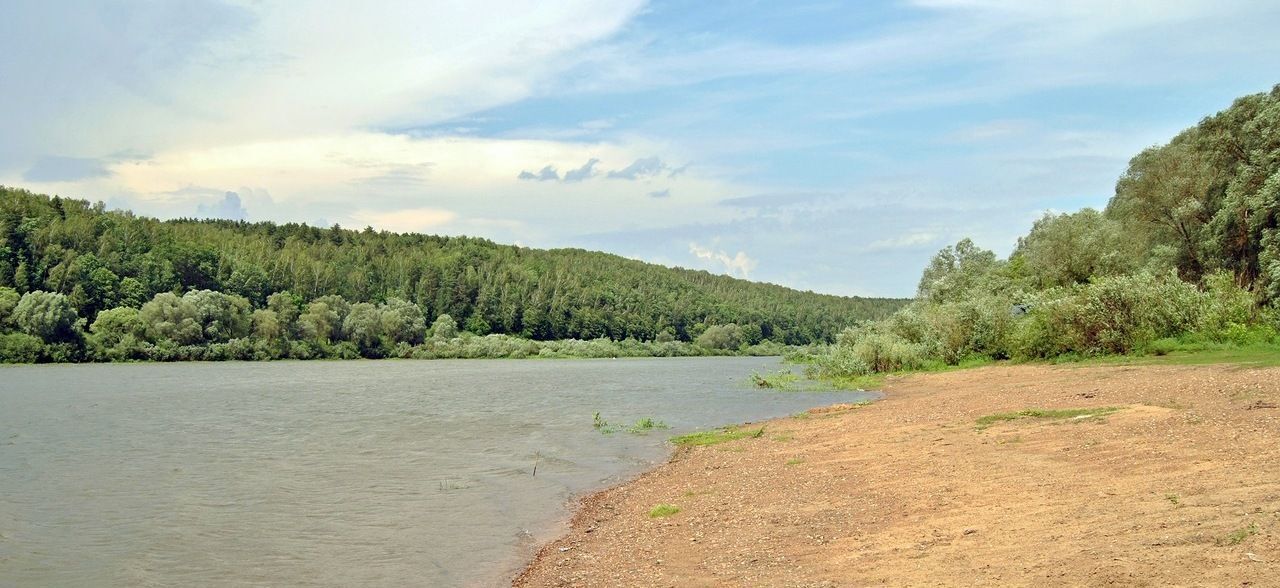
(640, 168)
(229, 207)
(739, 265)
(585, 172)
(546, 174)
(664, 193)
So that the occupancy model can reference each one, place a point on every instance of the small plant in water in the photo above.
(663, 510)
(598, 421)
(779, 380)
(645, 425)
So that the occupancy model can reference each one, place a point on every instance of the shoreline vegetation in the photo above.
(81, 283)
(1185, 258)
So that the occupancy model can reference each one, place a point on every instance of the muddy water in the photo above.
(387, 473)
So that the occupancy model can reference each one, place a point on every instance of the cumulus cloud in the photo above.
(229, 207)
(663, 193)
(585, 172)
(739, 265)
(546, 174)
(641, 168)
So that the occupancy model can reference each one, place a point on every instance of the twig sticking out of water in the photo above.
(536, 457)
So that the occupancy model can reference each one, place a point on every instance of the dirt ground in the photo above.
(1179, 487)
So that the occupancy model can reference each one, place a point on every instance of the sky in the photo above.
(826, 146)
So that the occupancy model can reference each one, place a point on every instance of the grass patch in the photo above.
(783, 437)
(717, 436)
(1036, 413)
(795, 461)
(645, 425)
(1173, 499)
(641, 427)
(876, 381)
(1238, 536)
(1173, 352)
(779, 380)
(663, 510)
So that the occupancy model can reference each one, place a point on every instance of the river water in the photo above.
(355, 473)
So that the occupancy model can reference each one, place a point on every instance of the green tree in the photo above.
(363, 327)
(727, 337)
(47, 315)
(954, 271)
(8, 301)
(1065, 249)
(169, 317)
(444, 327)
(402, 322)
(117, 334)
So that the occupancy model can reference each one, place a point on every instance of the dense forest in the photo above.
(79, 282)
(1185, 255)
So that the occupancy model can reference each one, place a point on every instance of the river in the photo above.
(387, 473)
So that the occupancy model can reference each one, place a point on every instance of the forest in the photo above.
(1185, 256)
(79, 282)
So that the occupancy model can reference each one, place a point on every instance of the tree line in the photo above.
(1185, 255)
(79, 282)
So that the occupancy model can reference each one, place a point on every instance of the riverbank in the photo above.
(1177, 485)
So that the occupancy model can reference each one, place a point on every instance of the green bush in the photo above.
(20, 348)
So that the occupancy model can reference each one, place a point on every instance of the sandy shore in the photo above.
(1181, 486)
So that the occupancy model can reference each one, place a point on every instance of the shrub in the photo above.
(20, 348)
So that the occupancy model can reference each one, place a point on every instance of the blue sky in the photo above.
(832, 146)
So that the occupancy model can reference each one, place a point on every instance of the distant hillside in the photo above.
(104, 259)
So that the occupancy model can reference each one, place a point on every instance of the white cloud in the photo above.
(229, 207)
(739, 265)
(206, 73)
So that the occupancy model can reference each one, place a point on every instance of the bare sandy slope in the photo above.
(1180, 487)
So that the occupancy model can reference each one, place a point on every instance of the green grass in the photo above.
(1036, 413)
(876, 381)
(1171, 352)
(1161, 352)
(1238, 536)
(779, 380)
(641, 427)
(663, 510)
(645, 425)
(1173, 499)
(795, 461)
(716, 436)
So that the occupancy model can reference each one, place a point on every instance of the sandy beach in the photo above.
(1178, 485)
